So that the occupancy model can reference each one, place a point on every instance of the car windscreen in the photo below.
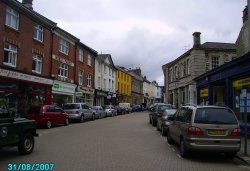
(71, 106)
(215, 116)
(162, 108)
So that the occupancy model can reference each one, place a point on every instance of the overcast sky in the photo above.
(145, 33)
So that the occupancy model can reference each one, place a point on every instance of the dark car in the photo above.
(157, 112)
(136, 108)
(48, 115)
(164, 121)
(120, 110)
(17, 131)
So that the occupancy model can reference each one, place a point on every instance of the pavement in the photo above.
(241, 154)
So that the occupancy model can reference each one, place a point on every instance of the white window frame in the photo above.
(89, 80)
(63, 70)
(12, 18)
(37, 61)
(12, 54)
(105, 69)
(80, 77)
(38, 32)
(215, 61)
(64, 46)
(81, 55)
(89, 60)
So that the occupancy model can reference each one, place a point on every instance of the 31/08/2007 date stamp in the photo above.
(31, 166)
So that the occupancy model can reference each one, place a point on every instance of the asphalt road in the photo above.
(122, 143)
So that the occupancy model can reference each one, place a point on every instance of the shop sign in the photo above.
(100, 93)
(79, 94)
(241, 82)
(86, 90)
(204, 93)
(63, 87)
(26, 77)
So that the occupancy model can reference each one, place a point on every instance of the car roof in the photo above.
(205, 106)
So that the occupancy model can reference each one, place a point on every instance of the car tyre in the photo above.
(169, 138)
(163, 132)
(27, 143)
(150, 121)
(66, 122)
(93, 117)
(48, 124)
(154, 122)
(183, 149)
(81, 119)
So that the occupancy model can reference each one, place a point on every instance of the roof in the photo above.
(88, 48)
(217, 45)
(103, 57)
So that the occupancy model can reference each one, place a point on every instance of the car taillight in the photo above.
(235, 132)
(195, 131)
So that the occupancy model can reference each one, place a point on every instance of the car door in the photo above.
(7, 132)
(176, 125)
(51, 113)
(59, 115)
(87, 111)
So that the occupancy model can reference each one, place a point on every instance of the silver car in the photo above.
(205, 128)
(99, 112)
(110, 110)
(79, 111)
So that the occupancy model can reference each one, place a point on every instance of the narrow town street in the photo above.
(122, 143)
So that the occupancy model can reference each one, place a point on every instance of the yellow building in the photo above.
(123, 85)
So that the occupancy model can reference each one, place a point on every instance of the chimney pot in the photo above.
(28, 3)
(197, 40)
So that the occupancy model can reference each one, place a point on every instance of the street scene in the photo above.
(125, 142)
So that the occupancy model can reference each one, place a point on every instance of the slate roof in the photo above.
(218, 45)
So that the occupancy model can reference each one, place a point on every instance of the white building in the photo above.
(105, 79)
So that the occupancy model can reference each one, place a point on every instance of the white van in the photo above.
(126, 106)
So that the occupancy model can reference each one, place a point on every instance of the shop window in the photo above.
(64, 47)
(38, 32)
(63, 70)
(12, 18)
(10, 54)
(37, 63)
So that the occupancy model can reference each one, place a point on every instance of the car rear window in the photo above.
(215, 116)
(71, 106)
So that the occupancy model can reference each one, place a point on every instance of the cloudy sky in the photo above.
(145, 33)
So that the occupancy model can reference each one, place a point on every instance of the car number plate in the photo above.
(217, 132)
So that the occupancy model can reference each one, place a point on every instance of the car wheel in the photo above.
(154, 122)
(150, 121)
(163, 132)
(81, 119)
(93, 117)
(66, 122)
(48, 124)
(183, 149)
(27, 143)
(169, 138)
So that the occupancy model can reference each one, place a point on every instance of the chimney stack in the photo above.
(197, 40)
(28, 4)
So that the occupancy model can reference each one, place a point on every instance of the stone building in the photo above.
(179, 74)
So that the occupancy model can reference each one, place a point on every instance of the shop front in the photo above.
(100, 97)
(63, 92)
(225, 84)
(85, 95)
(20, 91)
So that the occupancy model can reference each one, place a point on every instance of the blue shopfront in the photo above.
(224, 86)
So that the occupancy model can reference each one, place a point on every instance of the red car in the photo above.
(48, 115)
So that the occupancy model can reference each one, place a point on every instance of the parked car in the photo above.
(157, 112)
(126, 106)
(136, 108)
(79, 111)
(164, 121)
(99, 112)
(18, 132)
(48, 115)
(110, 110)
(120, 110)
(205, 128)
